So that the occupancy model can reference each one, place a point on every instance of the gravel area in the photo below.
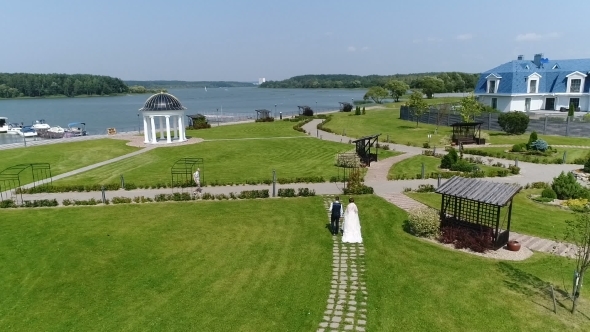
(500, 254)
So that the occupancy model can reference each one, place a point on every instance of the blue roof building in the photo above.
(537, 84)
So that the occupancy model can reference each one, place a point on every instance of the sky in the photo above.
(243, 40)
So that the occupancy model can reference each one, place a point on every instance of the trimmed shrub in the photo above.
(514, 123)
(587, 166)
(347, 107)
(539, 145)
(532, 138)
(520, 147)
(566, 187)
(425, 188)
(462, 165)
(449, 159)
(549, 193)
(514, 169)
(423, 222)
(307, 111)
(358, 190)
(286, 192)
(461, 238)
(305, 192)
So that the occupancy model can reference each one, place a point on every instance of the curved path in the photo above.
(346, 308)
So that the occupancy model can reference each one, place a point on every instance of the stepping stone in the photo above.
(351, 308)
(362, 322)
(337, 319)
(327, 318)
(328, 312)
(360, 329)
(323, 324)
(339, 307)
(348, 327)
(350, 314)
(334, 325)
(337, 313)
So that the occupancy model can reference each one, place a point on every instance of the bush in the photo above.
(305, 192)
(425, 188)
(577, 205)
(267, 119)
(347, 107)
(357, 111)
(539, 145)
(462, 165)
(307, 111)
(540, 185)
(358, 190)
(514, 169)
(532, 138)
(251, 194)
(520, 147)
(566, 187)
(121, 200)
(426, 145)
(449, 159)
(423, 222)
(514, 123)
(549, 193)
(286, 192)
(364, 112)
(587, 166)
(478, 241)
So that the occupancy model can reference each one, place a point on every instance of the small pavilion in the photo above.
(262, 114)
(477, 204)
(467, 133)
(170, 115)
(363, 148)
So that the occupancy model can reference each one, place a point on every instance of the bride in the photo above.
(352, 224)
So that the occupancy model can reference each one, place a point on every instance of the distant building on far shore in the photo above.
(261, 80)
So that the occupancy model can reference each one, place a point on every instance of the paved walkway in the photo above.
(346, 308)
(379, 170)
(510, 145)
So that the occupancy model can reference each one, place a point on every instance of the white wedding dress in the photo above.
(352, 225)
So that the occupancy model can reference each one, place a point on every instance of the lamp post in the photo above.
(138, 124)
(218, 117)
(275, 110)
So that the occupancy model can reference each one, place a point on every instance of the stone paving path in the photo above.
(346, 308)
(402, 201)
(379, 170)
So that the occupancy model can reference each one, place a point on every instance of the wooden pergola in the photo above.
(363, 148)
(302, 109)
(477, 205)
(467, 133)
(262, 114)
(344, 104)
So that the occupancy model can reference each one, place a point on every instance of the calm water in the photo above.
(121, 113)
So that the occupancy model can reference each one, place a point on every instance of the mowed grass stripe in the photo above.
(225, 161)
(248, 130)
(260, 265)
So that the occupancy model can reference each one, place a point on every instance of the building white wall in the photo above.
(517, 103)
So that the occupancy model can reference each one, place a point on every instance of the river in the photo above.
(121, 112)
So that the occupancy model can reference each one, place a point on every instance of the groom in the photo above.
(336, 212)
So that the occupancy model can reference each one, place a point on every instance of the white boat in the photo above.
(76, 129)
(3, 125)
(40, 124)
(56, 130)
(205, 89)
(27, 131)
(13, 128)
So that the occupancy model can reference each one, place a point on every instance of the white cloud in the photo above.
(351, 48)
(532, 36)
(328, 34)
(365, 48)
(417, 41)
(465, 36)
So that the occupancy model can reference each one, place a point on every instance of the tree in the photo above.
(417, 105)
(377, 94)
(570, 112)
(470, 108)
(431, 85)
(514, 123)
(397, 89)
(578, 233)
(443, 111)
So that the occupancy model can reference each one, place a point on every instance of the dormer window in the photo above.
(575, 82)
(555, 66)
(575, 85)
(533, 86)
(493, 82)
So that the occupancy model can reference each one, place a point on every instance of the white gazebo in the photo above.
(170, 115)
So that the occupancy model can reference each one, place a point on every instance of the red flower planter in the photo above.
(513, 245)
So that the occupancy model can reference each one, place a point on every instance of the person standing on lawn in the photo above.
(197, 178)
(336, 211)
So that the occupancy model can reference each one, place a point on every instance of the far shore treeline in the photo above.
(445, 81)
(21, 85)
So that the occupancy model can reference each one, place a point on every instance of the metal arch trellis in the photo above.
(348, 162)
(10, 179)
(183, 169)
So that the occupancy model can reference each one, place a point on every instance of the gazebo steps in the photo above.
(545, 245)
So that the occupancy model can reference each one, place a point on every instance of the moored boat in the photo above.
(13, 128)
(40, 124)
(3, 125)
(27, 131)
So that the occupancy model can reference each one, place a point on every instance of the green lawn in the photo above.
(528, 216)
(412, 167)
(415, 285)
(503, 138)
(64, 157)
(572, 154)
(260, 265)
(227, 162)
(248, 130)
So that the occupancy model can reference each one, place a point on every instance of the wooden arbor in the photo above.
(363, 148)
(467, 133)
(477, 204)
(262, 114)
(349, 163)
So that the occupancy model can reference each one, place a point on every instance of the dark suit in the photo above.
(336, 213)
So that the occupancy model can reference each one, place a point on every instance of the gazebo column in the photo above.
(168, 129)
(175, 126)
(161, 127)
(145, 130)
(181, 136)
(153, 129)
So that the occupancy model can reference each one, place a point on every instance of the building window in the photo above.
(575, 85)
(533, 86)
(495, 103)
(491, 86)
(575, 102)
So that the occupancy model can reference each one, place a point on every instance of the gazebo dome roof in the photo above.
(162, 102)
